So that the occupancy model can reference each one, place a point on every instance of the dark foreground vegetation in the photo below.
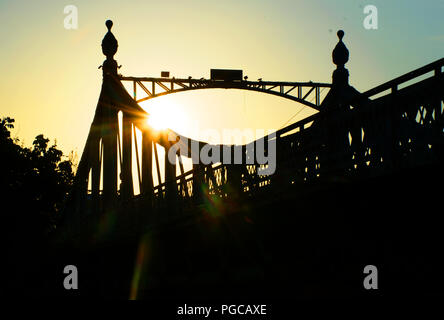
(303, 241)
(34, 184)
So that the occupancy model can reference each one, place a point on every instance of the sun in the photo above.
(158, 119)
(164, 114)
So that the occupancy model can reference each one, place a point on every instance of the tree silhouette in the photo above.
(34, 181)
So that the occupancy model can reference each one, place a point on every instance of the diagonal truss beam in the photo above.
(307, 93)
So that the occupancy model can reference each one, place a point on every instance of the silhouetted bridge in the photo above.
(360, 143)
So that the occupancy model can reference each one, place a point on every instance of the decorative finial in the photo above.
(109, 42)
(340, 57)
(340, 33)
(340, 52)
(109, 25)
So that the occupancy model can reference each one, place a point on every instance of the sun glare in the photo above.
(165, 115)
(158, 119)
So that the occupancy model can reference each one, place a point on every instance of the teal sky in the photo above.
(50, 82)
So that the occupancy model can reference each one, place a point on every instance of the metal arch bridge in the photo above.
(403, 128)
(355, 137)
(308, 93)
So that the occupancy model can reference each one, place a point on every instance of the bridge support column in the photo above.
(95, 158)
(198, 175)
(170, 179)
(147, 166)
(109, 134)
(234, 173)
(126, 187)
(109, 121)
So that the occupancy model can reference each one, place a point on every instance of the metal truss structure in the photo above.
(307, 93)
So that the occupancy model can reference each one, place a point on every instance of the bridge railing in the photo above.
(401, 130)
(393, 132)
(363, 138)
(393, 85)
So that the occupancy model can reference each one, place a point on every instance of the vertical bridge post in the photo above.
(109, 122)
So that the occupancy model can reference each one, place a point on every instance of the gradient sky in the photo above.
(50, 79)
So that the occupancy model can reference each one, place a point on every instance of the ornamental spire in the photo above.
(109, 42)
(109, 49)
(340, 52)
(340, 57)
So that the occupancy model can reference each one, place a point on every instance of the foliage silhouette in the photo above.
(34, 181)
(34, 184)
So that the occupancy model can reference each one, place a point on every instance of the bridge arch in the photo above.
(302, 92)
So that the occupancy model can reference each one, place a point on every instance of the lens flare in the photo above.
(165, 114)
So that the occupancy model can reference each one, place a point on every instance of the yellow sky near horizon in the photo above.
(51, 81)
